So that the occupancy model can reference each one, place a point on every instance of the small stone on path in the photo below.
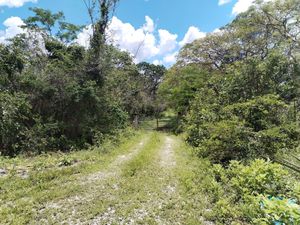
(3, 172)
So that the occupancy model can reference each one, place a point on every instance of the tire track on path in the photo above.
(66, 211)
(152, 193)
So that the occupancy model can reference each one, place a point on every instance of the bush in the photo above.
(279, 211)
(260, 192)
(15, 119)
(224, 141)
(281, 139)
(258, 128)
(259, 177)
(261, 113)
(44, 137)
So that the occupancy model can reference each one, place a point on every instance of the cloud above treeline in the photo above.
(240, 6)
(144, 43)
(13, 28)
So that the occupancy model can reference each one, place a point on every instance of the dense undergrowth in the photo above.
(258, 192)
(235, 97)
(56, 95)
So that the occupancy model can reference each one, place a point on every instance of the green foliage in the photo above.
(277, 140)
(44, 137)
(12, 63)
(225, 124)
(180, 86)
(16, 117)
(240, 131)
(224, 141)
(252, 77)
(257, 178)
(260, 193)
(67, 161)
(72, 95)
(282, 211)
(151, 76)
(260, 113)
(43, 19)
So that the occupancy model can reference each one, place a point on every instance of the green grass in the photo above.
(20, 198)
(102, 194)
(196, 185)
(144, 157)
(141, 189)
(143, 195)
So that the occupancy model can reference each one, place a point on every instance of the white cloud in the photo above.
(36, 45)
(140, 42)
(168, 41)
(144, 43)
(243, 5)
(223, 2)
(15, 3)
(83, 37)
(217, 30)
(13, 28)
(157, 62)
(149, 25)
(170, 58)
(192, 34)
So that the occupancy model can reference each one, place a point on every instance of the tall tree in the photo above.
(99, 12)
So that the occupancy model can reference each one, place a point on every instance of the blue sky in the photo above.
(168, 26)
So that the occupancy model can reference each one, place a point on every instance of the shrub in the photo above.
(260, 192)
(279, 211)
(260, 113)
(272, 141)
(67, 161)
(224, 141)
(44, 137)
(15, 119)
(259, 177)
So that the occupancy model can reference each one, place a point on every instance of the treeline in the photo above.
(57, 95)
(236, 91)
(236, 94)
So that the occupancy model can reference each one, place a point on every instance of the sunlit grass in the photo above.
(48, 179)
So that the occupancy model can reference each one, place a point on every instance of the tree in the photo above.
(153, 76)
(50, 78)
(99, 55)
(44, 21)
(12, 63)
(181, 85)
(264, 27)
(236, 89)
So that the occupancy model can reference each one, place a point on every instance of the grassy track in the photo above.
(149, 179)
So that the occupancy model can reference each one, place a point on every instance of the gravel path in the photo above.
(94, 184)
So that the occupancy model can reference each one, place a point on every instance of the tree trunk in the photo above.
(136, 121)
